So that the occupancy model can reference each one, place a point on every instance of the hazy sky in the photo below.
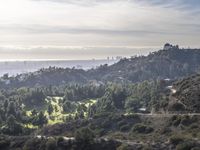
(85, 29)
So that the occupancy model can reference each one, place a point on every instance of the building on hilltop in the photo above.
(168, 46)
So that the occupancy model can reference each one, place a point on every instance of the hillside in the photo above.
(172, 63)
(186, 96)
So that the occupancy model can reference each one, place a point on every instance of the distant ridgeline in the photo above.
(171, 62)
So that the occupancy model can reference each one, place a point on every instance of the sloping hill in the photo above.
(187, 95)
(45, 77)
(172, 63)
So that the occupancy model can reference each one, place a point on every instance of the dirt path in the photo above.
(168, 114)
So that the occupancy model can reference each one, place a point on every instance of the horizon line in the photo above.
(29, 60)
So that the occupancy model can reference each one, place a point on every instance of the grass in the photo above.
(88, 103)
(58, 115)
(30, 126)
(28, 113)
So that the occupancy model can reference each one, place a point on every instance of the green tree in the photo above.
(84, 135)
(11, 109)
(34, 112)
(14, 128)
(132, 104)
(51, 144)
(40, 120)
(50, 109)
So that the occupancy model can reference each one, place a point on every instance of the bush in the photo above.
(176, 139)
(124, 128)
(4, 143)
(60, 139)
(124, 147)
(106, 123)
(196, 148)
(84, 134)
(141, 128)
(186, 120)
(185, 146)
(34, 144)
(175, 120)
(100, 132)
(181, 120)
(133, 116)
(177, 107)
(194, 126)
(51, 144)
(121, 123)
(165, 130)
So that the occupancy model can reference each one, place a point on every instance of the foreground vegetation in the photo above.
(126, 107)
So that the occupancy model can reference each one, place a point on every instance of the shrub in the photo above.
(100, 132)
(124, 128)
(165, 130)
(51, 144)
(186, 120)
(124, 147)
(195, 148)
(141, 128)
(177, 107)
(185, 146)
(194, 126)
(84, 134)
(175, 120)
(133, 116)
(4, 143)
(176, 139)
(60, 139)
(34, 144)
(121, 123)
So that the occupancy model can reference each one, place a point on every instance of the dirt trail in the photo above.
(168, 114)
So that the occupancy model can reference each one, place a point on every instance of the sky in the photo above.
(87, 29)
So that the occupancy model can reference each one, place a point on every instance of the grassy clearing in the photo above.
(88, 103)
(30, 126)
(58, 115)
(28, 113)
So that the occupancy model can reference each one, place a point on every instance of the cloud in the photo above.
(85, 3)
(164, 3)
(50, 29)
(64, 52)
(100, 23)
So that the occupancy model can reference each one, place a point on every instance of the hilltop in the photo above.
(168, 63)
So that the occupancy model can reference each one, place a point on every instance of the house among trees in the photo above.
(168, 46)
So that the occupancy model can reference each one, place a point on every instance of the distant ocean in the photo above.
(17, 67)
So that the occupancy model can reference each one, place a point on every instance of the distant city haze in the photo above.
(12, 68)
